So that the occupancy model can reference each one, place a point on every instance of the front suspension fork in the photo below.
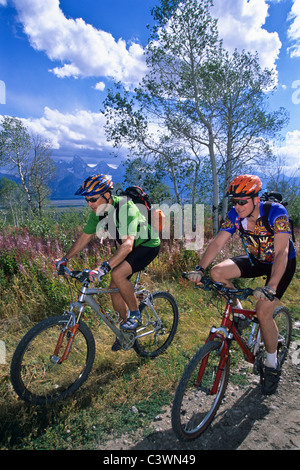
(70, 332)
(224, 354)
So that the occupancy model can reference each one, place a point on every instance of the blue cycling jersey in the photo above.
(260, 242)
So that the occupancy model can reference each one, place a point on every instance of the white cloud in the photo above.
(294, 29)
(83, 50)
(291, 150)
(100, 86)
(241, 26)
(81, 130)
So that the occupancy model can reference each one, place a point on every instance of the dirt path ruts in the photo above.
(247, 420)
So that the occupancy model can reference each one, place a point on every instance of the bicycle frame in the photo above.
(226, 333)
(86, 296)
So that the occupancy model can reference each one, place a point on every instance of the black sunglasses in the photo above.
(92, 199)
(240, 202)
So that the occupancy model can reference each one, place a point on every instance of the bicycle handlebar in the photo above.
(208, 284)
(81, 276)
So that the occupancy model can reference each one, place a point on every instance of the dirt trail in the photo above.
(247, 420)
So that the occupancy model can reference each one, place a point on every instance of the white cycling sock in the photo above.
(239, 315)
(271, 360)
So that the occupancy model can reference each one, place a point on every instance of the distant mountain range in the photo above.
(70, 175)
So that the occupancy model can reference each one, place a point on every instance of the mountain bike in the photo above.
(203, 384)
(56, 356)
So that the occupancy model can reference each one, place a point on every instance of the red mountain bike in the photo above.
(204, 381)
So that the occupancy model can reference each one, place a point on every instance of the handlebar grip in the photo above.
(81, 276)
(61, 270)
(268, 294)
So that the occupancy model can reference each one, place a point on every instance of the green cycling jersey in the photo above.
(123, 218)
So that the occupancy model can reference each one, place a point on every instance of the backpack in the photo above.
(156, 217)
(268, 198)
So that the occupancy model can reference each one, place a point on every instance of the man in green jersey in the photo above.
(137, 244)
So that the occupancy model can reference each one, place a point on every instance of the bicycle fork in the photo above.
(71, 332)
(224, 355)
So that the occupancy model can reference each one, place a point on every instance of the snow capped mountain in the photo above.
(70, 175)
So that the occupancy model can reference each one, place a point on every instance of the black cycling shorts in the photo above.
(141, 256)
(264, 269)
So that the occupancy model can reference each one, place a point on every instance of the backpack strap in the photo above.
(267, 207)
(105, 227)
(117, 207)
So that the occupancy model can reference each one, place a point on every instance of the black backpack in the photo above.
(138, 196)
(268, 198)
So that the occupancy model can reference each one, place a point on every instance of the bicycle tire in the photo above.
(194, 408)
(38, 380)
(152, 345)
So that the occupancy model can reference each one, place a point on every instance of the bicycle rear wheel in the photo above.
(157, 332)
(37, 375)
(194, 407)
(283, 320)
(284, 324)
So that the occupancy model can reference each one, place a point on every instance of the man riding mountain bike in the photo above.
(137, 244)
(266, 235)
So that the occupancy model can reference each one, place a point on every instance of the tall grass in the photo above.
(30, 291)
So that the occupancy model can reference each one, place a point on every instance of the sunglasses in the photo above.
(92, 199)
(240, 202)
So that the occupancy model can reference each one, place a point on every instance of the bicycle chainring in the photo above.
(128, 340)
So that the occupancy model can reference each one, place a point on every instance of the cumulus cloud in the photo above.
(100, 86)
(289, 151)
(83, 50)
(79, 49)
(81, 130)
(241, 26)
(294, 29)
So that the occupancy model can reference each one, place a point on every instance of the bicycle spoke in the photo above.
(38, 376)
(194, 404)
(158, 329)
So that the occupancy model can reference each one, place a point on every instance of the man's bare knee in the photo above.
(217, 273)
(225, 271)
(121, 273)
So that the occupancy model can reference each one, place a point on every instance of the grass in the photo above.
(118, 381)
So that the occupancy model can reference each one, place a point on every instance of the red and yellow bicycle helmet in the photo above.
(245, 185)
(95, 185)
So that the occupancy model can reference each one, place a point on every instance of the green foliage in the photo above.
(30, 291)
(294, 210)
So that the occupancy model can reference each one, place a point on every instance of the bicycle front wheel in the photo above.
(194, 407)
(38, 375)
(159, 325)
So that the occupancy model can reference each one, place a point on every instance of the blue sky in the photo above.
(58, 58)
